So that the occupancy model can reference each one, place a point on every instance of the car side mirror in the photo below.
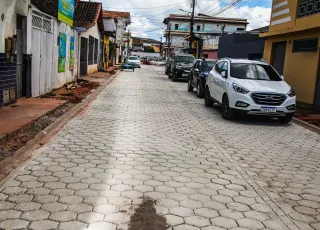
(196, 70)
(224, 74)
(282, 77)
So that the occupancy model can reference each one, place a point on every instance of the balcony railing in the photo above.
(308, 7)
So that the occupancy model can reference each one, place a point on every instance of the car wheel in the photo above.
(226, 111)
(190, 87)
(199, 91)
(166, 71)
(207, 100)
(287, 119)
(169, 74)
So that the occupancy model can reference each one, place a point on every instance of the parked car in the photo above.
(181, 66)
(198, 75)
(249, 87)
(133, 60)
(168, 66)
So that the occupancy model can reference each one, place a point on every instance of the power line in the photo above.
(141, 8)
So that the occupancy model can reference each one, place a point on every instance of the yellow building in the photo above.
(292, 46)
(106, 52)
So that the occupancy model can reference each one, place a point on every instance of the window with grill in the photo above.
(96, 54)
(91, 49)
(305, 45)
(176, 26)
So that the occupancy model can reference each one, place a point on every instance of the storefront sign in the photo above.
(71, 53)
(62, 52)
(66, 11)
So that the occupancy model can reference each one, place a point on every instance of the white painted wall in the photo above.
(93, 32)
(9, 10)
(59, 79)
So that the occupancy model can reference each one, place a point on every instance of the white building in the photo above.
(206, 28)
(122, 20)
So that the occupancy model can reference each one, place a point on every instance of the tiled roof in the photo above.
(87, 14)
(47, 6)
(115, 14)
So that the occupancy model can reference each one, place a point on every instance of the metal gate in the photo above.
(84, 56)
(279, 54)
(42, 49)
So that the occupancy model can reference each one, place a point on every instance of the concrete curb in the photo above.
(306, 125)
(44, 137)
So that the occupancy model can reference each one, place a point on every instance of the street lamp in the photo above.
(186, 12)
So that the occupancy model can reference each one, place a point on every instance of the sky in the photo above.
(147, 15)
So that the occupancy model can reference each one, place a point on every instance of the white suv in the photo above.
(249, 87)
(133, 60)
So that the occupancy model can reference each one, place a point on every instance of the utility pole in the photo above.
(191, 26)
(169, 39)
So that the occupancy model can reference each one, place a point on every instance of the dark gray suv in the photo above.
(182, 64)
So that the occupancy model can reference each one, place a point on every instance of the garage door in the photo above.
(279, 54)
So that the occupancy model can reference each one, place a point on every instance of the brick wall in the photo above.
(8, 76)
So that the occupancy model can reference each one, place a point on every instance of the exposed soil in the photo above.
(309, 115)
(72, 93)
(146, 218)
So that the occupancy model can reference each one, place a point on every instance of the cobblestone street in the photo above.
(146, 136)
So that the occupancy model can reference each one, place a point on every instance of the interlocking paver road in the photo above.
(147, 136)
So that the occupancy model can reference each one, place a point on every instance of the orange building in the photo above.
(292, 46)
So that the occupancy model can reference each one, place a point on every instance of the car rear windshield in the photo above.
(254, 72)
(208, 66)
(185, 59)
(133, 58)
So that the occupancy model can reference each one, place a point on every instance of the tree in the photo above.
(149, 49)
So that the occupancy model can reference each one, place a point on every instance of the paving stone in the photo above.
(63, 216)
(185, 227)
(44, 199)
(174, 220)
(223, 222)
(9, 214)
(101, 226)
(256, 215)
(79, 208)
(14, 224)
(72, 225)
(54, 207)
(90, 217)
(250, 224)
(27, 206)
(191, 204)
(205, 212)
(197, 221)
(20, 198)
(35, 215)
(105, 209)
(71, 199)
(181, 211)
(232, 214)
(117, 218)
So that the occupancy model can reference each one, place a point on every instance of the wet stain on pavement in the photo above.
(146, 218)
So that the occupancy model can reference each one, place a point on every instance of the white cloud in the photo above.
(147, 22)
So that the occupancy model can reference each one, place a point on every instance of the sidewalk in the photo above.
(309, 115)
(25, 111)
(21, 121)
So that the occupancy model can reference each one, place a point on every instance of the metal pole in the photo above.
(191, 26)
(169, 39)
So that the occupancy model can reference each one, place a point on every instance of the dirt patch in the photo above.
(73, 93)
(146, 218)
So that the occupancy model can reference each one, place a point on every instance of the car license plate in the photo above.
(185, 75)
(269, 109)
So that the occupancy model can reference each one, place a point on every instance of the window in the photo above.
(133, 58)
(91, 50)
(308, 7)
(218, 67)
(224, 67)
(305, 45)
(240, 29)
(254, 72)
(198, 28)
(208, 66)
(96, 54)
(176, 27)
(186, 59)
(205, 55)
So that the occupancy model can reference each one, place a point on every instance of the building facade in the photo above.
(207, 29)
(15, 51)
(244, 45)
(122, 20)
(292, 46)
